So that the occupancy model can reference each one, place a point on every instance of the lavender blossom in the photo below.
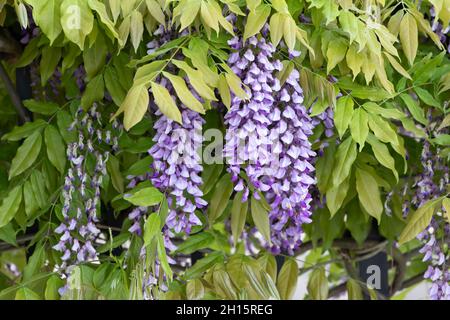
(267, 141)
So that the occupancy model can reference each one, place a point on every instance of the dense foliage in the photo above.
(218, 149)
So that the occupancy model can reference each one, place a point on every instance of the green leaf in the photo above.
(188, 12)
(152, 228)
(369, 193)
(287, 279)
(195, 242)
(8, 234)
(260, 217)
(208, 16)
(276, 28)
(113, 166)
(409, 37)
(195, 290)
(235, 85)
(49, 61)
(162, 255)
(220, 198)
(55, 148)
(145, 197)
(54, 283)
(414, 108)
(135, 105)
(156, 11)
(184, 93)
(196, 79)
(35, 262)
(358, 127)
(136, 29)
(77, 20)
(113, 86)
(46, 15)
(345, 156)
(389, 113)
(165, 102)
(238, 216)
(382, 154)
(354, 291)
(26, 154)
(335, 53)
(343, 114)
(336, 196)
(256, 20)
(26, 294)
(426, 97)
(442, 139)
(100, 8)
(318, 284)
(382, 130)
(42, 107)
(18, 133)
(94, 57)
(95, 91)
(10, 205)
(419, 220)
(203, 264)
(446, 205)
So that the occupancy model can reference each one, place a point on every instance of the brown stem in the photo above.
(17, 102)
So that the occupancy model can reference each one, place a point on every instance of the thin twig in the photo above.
(17, 102)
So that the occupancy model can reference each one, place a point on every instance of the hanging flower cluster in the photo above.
(81, 194)
(430, 184)
(176, 162)
(267, 140)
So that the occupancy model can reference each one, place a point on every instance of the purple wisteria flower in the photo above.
(177, 167)
(266, 143)
(81, 192)
(430, 184)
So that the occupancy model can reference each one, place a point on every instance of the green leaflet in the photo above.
(46, 108)
(238, 216)
(220, 198)
(344, 158)
(414, 108)
(55, 148)
(145, 197)
(369, 193)
(256, 20)
(419, 220)
(195, 289)
(287, 279)
(182, 91)
(18, 133)
(359, 128)
(260, 217)
(382, 154)
(318, 284)
(343, 114)
(152, 228)
(77, 20)
(10, 205)
(26, 154)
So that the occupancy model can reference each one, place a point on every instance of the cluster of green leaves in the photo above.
(382, 54)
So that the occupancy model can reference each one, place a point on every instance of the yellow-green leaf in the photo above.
(369, 193)
(358, 127)
(256, 20)
(165, 102)
(409, 37)
(26, 154)
(419, 220)
(184, 93)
